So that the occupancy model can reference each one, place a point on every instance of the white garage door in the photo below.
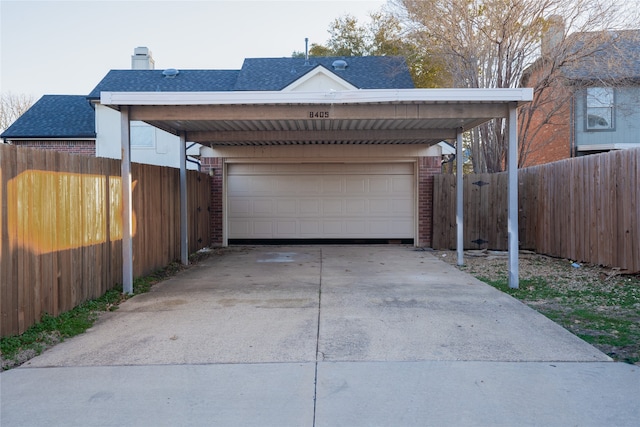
(316, 201)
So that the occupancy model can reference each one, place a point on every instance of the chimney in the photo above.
(552, 36)
(141, 59)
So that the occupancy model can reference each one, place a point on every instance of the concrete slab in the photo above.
(433, 393)
(348, 394)
(237, 308)
(385, 335)
(182, 395)
(382, 304)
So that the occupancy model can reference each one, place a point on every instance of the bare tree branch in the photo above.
(13, 106)
(498, 43)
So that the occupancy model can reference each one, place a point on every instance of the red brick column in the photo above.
(427, 168)
(213, 166)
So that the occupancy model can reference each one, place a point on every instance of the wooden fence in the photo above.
(61, 228)
(586, 209)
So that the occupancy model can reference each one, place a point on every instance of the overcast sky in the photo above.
(66, 47)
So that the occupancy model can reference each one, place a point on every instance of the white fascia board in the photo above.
(604, 147)
(518, 95)
(48, 138)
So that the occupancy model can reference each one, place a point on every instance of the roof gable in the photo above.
(319, 79)
(55, 116)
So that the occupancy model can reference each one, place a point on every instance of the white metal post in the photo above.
(127, 211)
(184, 229)
(459, 199)
(512, 223)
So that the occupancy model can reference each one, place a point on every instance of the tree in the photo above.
(493, 43)
(13, 106)
(382, 36)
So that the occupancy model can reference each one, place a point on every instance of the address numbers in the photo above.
(318, 114)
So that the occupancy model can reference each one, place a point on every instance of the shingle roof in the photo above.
(615, 58)
(55, 116)
(66, 116)
(364, 72)
(155, 81)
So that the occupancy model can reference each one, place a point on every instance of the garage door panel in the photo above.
(333, 206)
(321, 201)
(330, 186)
(284, 186)
(356, 206)
(356, 228)
(401, 206)
(401, 184)
(263, 228)
(240, 227)
(262, 207)
(380, 206)
(379, 186)
(239, 207)
(332, 228)
(356, 185)
(286, 228)
(310, 207)
(310, 228)
(286, 207)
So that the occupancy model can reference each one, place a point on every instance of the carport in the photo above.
(359, 117)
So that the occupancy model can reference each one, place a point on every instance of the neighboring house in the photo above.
(56, 122)
(324, 190)
(592, 104)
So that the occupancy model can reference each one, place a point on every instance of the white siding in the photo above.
(163, 149)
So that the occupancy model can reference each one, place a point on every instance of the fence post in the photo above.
(459, 199)
(184, 224)
(512, 168)
(127, 244)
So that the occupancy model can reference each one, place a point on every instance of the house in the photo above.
(591, 104)
(56, 122)
(326, 189)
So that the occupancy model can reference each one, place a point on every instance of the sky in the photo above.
(66, 47)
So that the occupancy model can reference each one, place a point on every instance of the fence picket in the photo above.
(60, 227)
(585, 209)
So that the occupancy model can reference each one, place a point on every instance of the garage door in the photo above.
(316, 201)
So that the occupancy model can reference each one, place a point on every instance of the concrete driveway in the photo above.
(324, 336)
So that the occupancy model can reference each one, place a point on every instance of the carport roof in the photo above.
(366, 116)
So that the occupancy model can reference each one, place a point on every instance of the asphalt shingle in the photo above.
(55, 116)
(364, 72)
(615, 57)
(155, 81)
(60, 116)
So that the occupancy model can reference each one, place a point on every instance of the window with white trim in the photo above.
(599, 109)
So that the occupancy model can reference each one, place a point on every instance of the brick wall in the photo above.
(427, 168)
(546, 137)
(213, 166)
(86, 147)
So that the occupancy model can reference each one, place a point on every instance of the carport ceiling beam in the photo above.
(322, 135)
(186, 113)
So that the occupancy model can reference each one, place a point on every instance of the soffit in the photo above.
(408, 116)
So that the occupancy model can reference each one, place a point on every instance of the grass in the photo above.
(607, 317)
(17, 349)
